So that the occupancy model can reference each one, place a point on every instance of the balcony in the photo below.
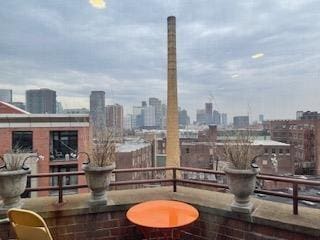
(70, 217)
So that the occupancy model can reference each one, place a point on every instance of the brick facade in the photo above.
(304, 136)
(6, 108)
(41, 141)
(115, 226)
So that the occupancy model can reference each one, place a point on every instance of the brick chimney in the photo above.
(172, 145)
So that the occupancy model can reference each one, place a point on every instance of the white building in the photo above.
(149, 116)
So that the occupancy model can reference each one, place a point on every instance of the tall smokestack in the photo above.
(172, 145)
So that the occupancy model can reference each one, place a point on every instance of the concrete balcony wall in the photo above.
(75, 220)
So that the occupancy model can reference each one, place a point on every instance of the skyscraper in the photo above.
(6, 95)
(201, 116)
(149, 120)
(241, 121)
(114, 117)
(41, 100)
(184, 119)
(97, 111)
(137, 120)
(224, 119)
(216, 117)
(59, 107)
(156, 103)
(208, 109)
(261, 118)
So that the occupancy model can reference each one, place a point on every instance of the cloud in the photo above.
(98, 3)
(75, 49)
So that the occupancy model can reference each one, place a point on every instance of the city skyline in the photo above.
(250, 56)
(130, 110)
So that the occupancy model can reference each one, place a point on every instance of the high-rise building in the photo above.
(114, 116)
(156, 103)
(241, 121)
(6, 95)
(208, 109)
(137, 119)
(41, 100)
(97, 111)
(59, 107)
(308, 115)
(143, 103)
(261, 118)
(127, 122)
(149, 119)
(184, 119)
(201, 116)
(299, 115)
(224, 119)
(216, 117)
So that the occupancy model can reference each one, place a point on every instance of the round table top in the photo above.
(162, 214)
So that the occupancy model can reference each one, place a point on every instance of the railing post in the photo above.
(60, 177)
(174, 176)
(295, 198)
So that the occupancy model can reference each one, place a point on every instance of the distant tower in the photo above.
(208, 109)
(97, 111)
(114, 117)
(41, 100)
(6, 95)
(172, 145)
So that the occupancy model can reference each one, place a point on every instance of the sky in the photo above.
(247, 57)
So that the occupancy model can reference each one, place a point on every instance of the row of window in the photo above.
(63, 144)
(274, 151)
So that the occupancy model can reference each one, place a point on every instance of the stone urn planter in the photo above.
(241, 183)
(13, 177)
(12, 185)
(98, 180)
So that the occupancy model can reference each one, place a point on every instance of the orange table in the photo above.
(162, 215)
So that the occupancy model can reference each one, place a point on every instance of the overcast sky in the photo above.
(247, 56)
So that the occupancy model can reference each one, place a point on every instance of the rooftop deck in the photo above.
(70, 217)
(74, 219)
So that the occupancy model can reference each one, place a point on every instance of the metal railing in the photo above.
(174, 180)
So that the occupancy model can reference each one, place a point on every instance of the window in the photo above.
(22, 140)
(281, 151)
(63, 144)
(273, 150)
(67, 180)
(266, 151)
(187, 150)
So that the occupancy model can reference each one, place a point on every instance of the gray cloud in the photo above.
(73, 48)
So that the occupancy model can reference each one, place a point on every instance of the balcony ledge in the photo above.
(270, 214)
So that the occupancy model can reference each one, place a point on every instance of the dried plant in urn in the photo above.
(241, 170)
(99, 166)
(13, 176)
(239, 151)
(103, 150)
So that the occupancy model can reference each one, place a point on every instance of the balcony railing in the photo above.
(173, 179)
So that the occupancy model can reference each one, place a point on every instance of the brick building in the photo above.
(304, 136)
(208, 156)
(133, 154)
(54, 136)
(205, 152)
